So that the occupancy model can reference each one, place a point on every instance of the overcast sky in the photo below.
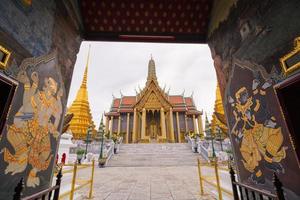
(116, 67)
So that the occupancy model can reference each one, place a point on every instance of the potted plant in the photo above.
(79, 153)
(101, 162)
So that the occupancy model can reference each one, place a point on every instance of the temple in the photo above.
(80, 107)
(153, 115)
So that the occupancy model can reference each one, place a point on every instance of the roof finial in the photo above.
(151, 56)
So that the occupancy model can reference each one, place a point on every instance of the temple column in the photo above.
(127, 128)
(119, 124)
(186, 124)
(200, 127)
(171, 126)
(134, 133)
(178, 127)
(195, 124)
(111, 126)
(106, 124)
(163, 124)
(143, 134)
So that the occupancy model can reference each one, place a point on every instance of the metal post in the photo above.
(18, 190)
(218, 178)
(102, 141)
(234, 188)
(73, 182)
(220, 137)
(213, 148)
(92, 180)
(200, 177)
(58, 182)
(278, 187)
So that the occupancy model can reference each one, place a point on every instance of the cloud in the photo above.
(116, 66)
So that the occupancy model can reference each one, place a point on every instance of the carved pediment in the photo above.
(152, 98)
(152, 102)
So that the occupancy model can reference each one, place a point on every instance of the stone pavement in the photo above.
(147, 183)
(148, 172)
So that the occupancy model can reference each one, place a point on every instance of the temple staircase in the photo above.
(154, 154)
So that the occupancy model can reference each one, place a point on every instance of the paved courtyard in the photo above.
(169, 177)
(145, 183)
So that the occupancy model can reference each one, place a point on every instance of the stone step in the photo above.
(169, 154)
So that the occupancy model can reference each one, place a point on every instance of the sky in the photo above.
(116, 67)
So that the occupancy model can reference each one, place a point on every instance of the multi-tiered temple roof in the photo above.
(153, 115)
(178, 102)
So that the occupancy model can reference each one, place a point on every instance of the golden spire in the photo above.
(81, 109)
(84, 80)
(218, 118)
(151, 70)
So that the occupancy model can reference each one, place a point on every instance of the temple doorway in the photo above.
(153, 125)
(289, 97)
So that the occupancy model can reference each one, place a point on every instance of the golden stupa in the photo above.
(218, 118)
(80, 107)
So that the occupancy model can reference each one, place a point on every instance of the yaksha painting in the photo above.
(256, 131)
(35, 122)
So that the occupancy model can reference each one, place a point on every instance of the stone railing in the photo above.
(193, 143)
(109, 151)
(203, 151)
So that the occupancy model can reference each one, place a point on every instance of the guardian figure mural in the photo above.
(256, 131)
(36, 121)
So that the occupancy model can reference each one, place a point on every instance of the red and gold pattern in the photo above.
(182, 19)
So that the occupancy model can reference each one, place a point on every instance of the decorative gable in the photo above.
(152, 98)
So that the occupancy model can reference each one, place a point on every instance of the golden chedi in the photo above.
(218, 118)
(80, 108)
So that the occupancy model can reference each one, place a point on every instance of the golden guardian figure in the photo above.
(36, 120)
(258, 134)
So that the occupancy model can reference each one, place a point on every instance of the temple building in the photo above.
(82, 119)
(218, 118)
(153, 115)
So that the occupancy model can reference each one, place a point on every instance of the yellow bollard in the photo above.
(73, 182)
(200, 178)
(217, 178)
(92, 180)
